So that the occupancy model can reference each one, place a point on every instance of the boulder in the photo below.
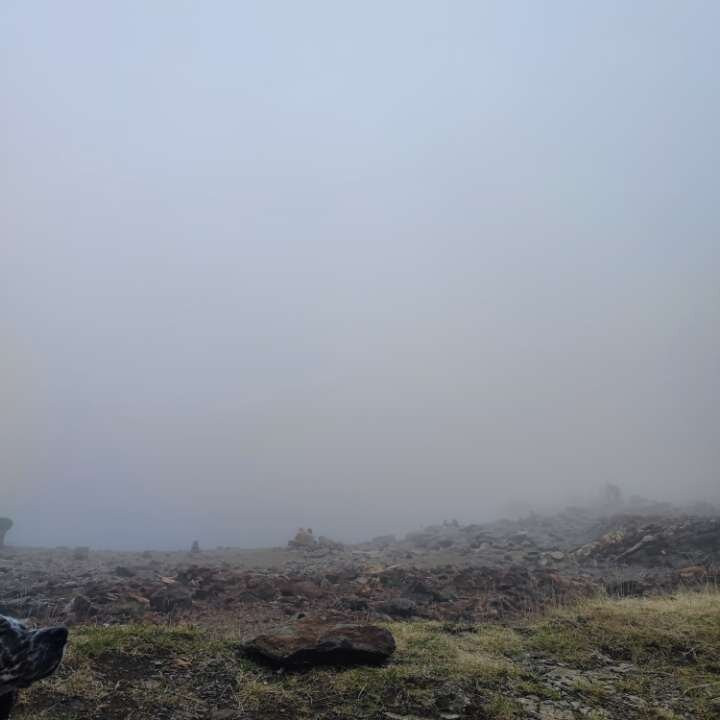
(656, 542)
(313, 642)
(303, 539)
(171, 598)
(81, 608)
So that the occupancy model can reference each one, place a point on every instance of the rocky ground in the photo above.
(469, 604)
(444, 572)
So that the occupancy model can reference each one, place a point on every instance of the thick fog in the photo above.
(353, 266)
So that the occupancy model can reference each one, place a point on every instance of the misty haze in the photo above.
(271, 268)
(415, 276)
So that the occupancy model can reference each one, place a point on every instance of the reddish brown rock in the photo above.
(311, 642)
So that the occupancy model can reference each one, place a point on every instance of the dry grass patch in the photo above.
(640, 659)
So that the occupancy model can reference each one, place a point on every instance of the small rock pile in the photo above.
(673, 543)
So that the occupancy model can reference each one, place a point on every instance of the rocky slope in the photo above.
(444, 572)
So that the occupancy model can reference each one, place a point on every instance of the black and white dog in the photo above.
(26, 656)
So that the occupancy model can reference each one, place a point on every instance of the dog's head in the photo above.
(27, 655)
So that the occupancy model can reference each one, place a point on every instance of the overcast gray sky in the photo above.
(360, 266)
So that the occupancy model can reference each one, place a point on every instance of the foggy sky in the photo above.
(357, 266)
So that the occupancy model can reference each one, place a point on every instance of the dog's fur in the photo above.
(26, 656)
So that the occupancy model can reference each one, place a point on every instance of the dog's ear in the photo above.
(8, 623)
